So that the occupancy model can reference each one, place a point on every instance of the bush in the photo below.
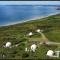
(25, 55)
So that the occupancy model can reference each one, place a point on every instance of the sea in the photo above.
(10, 14)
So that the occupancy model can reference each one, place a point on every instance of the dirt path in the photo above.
(43, 37)
(45, 40)
(52, 43)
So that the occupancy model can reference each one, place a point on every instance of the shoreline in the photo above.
(30, 19)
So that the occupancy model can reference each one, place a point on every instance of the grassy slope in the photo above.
(17, 33)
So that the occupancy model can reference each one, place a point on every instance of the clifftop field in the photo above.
(17, 34)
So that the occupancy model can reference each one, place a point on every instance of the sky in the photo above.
(29, 2)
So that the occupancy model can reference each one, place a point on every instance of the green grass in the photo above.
(17, 34)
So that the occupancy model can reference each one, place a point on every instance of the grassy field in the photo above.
(18, 34)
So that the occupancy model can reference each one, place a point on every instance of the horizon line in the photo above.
(29, 2)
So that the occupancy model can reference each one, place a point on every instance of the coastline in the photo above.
(30, 19)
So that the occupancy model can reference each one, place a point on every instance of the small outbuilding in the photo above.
(33, 47)
(50, 53)
(26, 49)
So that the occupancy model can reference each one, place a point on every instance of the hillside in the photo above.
(17, 34)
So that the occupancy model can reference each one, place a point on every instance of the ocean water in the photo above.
(17, 13)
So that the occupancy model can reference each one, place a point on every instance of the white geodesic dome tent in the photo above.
(30, 33)
(38, 30)
(33, 47)
(8, 44)
(50, 53)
